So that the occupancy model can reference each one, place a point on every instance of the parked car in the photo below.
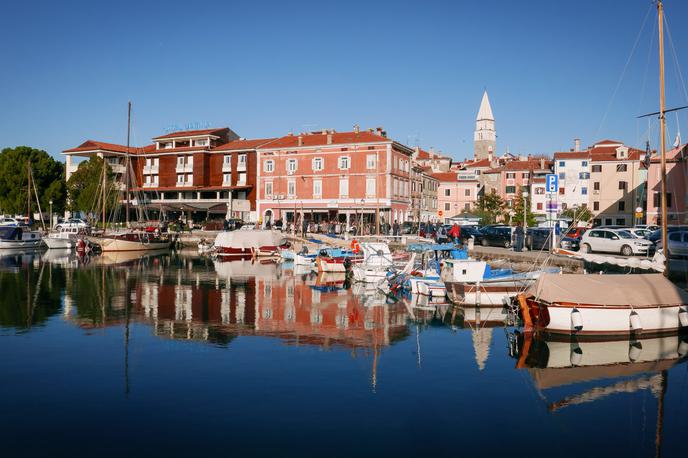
(6, 221)
(576, 232)
(638, 232)
(495, 236)
(73, 222)
(614, 241)
(648, 227)
(538, 238)
(656, 236)
(469, 231)
(678, 244)
(570, 243)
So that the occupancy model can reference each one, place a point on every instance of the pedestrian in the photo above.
(455, 233)
(225, 225)
(395, 229)
(305, 228)
(518, 238)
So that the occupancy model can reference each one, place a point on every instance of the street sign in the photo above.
(552, 183)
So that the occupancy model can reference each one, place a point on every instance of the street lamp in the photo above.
(51, 214)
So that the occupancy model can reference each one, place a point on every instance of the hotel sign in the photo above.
(466, 176)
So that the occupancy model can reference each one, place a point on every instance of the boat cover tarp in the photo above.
(248, 239)
(633, 289)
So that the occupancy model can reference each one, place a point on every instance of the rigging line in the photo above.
(677, 67)
(623, 72)
(647, 70)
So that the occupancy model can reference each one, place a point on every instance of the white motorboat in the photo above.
(64, 238)
(12, 237)
(377, 260)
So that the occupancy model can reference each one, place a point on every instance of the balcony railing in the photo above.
(181, 184)
(150, 169)
(117, 168)
(241, 167)
(150, 185)
(182, 168)
(226, 166)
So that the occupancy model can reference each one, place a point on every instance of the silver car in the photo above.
(678, 243)
(613, 241)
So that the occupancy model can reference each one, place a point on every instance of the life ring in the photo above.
(355, 246)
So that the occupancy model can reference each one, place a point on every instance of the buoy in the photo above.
(683, 316)
(576, 354)
(635, 348)
(682, 348)
(576, 320)
(636, 325)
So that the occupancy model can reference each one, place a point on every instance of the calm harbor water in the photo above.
(174, 355)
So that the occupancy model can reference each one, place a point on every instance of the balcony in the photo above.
(183, 184)
(184, 168)
(226, 166)
(117, 168)
(150, 169)
(241, 167)
(150, 185)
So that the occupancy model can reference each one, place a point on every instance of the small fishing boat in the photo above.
(62, 239)
(249, 244)
(470, 281)
(377, 260)
(604, 305)
(12, 237)
(335, 260)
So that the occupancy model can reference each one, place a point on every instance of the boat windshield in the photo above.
(10, 233)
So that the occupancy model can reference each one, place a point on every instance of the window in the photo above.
(447, 192)
(621, 167)
(623, 185)
(396, 187)
(466, 206)
(562, 191)
(622, 206)
(467, 193)
(539, 190)
(584, 163)
(525, 175)
(564, 206)
(562, 163)
(620, 221)
(268, 189)
(447, 206)
(317, 188)
(562, 175)
(242, 178)
(596, 222)
(511, 175)
(597, 168)
(511, 189)
(675, 236)
(343, 187)
(180, 178)
(596, 186)
(242, 162)
(370, 187)
(596, 206)
(226, 178)
(291, 188)
(269, 166)
(583, 176)
(291, 165)
(344, 162)
(658, 203)
(607, 221)
(584, 191)
(318, 163)
(539, 205)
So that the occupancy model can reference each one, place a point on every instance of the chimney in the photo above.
(329, 138)
(300, 140)
(381, 132)
(542, 163)
(357, 128)
(490, 156)
(323, 132)
(576, 143)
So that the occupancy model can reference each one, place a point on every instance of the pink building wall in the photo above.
(677, 181)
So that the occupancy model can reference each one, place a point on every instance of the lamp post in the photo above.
(51, 214)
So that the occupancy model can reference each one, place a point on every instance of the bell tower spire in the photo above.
(485, 135)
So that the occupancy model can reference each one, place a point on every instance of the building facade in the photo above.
(457, 193)
(676, 186)
(485, 135)
(343, 177)
(573, 170)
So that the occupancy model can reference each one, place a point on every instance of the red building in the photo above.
(347, 177)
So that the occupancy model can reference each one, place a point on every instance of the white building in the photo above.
(573, 169)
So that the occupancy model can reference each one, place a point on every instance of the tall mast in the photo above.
(28, 189)
(102, 191)
(126, 162)
(662, 123)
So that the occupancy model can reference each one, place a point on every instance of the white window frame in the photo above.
(291, 188)
(341, 160)
(319, 160)
(317, 190)
(292, 165)
(227, 178)
(343, 186)
(269, 166)
(371, 161)
(371, 185)
(268, 189)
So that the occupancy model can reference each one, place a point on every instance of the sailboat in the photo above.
(128, 239)
(16, 236)
(612, 304)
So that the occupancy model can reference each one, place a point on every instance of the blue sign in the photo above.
(552, 183)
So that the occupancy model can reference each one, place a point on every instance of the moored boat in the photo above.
(12, 237)
(604, 304)
(62, 239)
(130, 241)
(377, 260)
(243, 244)
(335, 260)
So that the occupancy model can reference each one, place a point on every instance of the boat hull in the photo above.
(261, 251)
(487, 294)
(368, 275)
(58, 243)
(114, 244)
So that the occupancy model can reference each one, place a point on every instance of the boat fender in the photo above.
(635, 348)
(576, 356)
(576, 320)
(683, 316)
(682, 348)
(635, 323)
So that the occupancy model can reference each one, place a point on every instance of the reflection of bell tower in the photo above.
(485, 136)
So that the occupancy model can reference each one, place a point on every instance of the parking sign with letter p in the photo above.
(552, 183)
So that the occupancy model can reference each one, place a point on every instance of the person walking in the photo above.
(518, 236)
(395, 229)
(455, 233)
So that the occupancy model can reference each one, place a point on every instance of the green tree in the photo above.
(85, 184)
(518, 211)
(48, 175)
(581, 214)
(490, 207)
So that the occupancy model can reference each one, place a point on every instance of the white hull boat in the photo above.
(64, 239)
(118, 243)
(16, 237)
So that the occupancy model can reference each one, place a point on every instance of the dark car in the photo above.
(538, 238)
(570, 243)
(656, 236)
(495, 236)
(469, 231)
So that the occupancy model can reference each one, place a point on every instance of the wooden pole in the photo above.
(662, 121)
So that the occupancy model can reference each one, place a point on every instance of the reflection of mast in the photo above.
(660, 412)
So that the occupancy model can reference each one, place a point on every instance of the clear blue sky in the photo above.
(264, 68)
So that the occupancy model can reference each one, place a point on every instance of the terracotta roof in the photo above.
(240, 145)
(477, 164)
(572, 155)
(93, 145)
(526, 165)
(191, 133)
(422, 154)
(319, 139)
(608, 142)
(608, 153)
(673, 155)
(538, 180)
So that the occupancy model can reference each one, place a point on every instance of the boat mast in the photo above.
(28, 190)
(102, 191)
(662, 123)
(126, 162)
